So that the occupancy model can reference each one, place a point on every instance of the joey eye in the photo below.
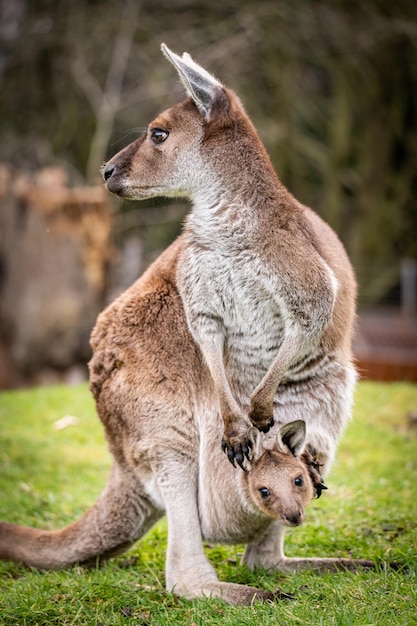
(299, 482)
(264, 491)
(158, 135)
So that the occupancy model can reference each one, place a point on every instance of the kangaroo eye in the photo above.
(299, 482)
(264, 491)
(158, 135)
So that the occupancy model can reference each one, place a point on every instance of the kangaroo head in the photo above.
(184, 149)
(279, 480)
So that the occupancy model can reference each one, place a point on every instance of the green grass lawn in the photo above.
(49, 477)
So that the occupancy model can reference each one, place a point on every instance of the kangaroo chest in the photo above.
(235, 297)
(253, 327)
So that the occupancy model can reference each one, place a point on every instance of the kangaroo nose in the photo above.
(294, 518)
(108, 171)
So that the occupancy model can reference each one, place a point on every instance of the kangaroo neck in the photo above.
(238, 219)
(221, 223)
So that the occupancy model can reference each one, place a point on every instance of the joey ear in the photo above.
(292, 437)
(254, 436)
(204, 89)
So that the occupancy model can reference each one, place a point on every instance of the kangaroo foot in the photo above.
(323, 565)
(233, 593)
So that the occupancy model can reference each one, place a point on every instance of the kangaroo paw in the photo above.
(261, 418)
(237, 444)
(238, 453)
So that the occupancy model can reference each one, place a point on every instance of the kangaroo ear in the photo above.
(204, 89)
(254, 436)
(292, 437)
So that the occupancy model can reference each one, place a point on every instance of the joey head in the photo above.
(279, 482)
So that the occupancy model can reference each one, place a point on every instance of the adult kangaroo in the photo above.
(265, 286)
(242, 325)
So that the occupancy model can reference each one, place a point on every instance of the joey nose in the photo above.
(294, 518)
(108, 171)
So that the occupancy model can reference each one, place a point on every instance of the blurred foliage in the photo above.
(330, 84)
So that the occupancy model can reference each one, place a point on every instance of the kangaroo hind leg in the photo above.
(120, 517)
(267, 551)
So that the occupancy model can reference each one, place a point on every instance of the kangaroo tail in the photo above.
(120, 517)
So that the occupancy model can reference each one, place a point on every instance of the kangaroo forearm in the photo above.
(262, 397)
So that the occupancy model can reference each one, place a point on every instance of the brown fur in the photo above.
(244, 321)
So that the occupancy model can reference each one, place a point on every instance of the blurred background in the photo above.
(331, 86)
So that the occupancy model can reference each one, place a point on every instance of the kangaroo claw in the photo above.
(238, 453)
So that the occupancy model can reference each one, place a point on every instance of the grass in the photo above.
(49, 477)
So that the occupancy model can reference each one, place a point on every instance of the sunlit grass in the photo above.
(49, 477)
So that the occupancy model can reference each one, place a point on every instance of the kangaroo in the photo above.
(232, 507)
(266, 287)
(239, 329)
